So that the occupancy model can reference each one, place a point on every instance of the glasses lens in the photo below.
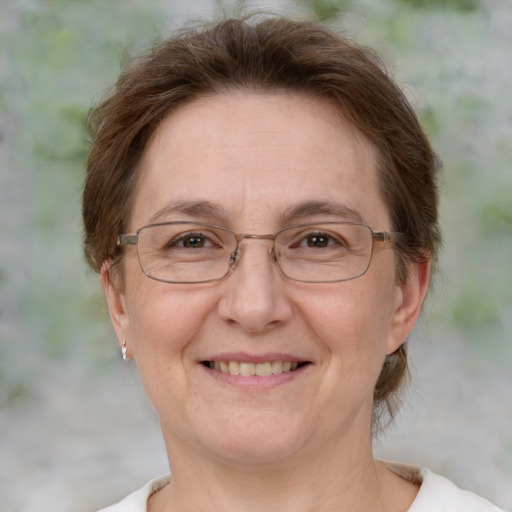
(185, 252)
(324, 252)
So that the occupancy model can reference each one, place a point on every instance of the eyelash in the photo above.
(184, 236)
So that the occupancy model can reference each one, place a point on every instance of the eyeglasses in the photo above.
(188, 253)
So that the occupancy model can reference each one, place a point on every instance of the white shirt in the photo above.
(436, 494)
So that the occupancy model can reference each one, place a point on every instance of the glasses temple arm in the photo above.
(387, 236)
(127, 240)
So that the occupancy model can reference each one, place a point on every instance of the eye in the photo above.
(191, 241)
(319, 240)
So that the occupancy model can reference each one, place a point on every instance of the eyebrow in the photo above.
(313, 208)
(208, 211)
(204, 209)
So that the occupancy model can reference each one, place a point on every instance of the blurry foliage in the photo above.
(231, 8)
(327, 9)
(430, 121)
(13, 389)
(473, 309)
(60, 56)
(456, 5)
(497, 217)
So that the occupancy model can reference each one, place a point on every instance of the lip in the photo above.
(255, 382)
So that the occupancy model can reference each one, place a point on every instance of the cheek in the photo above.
(164, 324)
(352, 324)
(163, 318)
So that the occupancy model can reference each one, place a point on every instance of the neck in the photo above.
(341, 479)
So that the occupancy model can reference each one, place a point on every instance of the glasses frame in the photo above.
(386, 237)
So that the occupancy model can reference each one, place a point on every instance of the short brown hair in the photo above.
(264, 54)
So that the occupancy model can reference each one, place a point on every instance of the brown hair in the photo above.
(264, 54)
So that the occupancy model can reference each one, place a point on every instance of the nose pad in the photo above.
(234, 257)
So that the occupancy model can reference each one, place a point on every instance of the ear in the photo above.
(116, 301)
(408, 304)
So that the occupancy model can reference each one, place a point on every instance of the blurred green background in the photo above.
(58, 57)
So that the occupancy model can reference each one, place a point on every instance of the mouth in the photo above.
(249, 369)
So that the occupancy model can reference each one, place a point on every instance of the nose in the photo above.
(254, 295)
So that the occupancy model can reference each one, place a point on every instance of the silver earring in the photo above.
(123, 351)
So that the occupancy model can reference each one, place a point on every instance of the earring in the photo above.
(123, 351)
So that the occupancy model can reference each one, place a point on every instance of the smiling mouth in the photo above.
(250, 369)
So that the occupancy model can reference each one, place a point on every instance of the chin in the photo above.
(260, 440)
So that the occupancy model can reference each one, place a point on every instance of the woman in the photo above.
(261, 205)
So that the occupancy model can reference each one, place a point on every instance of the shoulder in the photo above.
(137, 501)
(438, 494)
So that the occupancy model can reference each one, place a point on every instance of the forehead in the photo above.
(254, 156)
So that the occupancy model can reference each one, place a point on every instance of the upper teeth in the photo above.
(248, 369)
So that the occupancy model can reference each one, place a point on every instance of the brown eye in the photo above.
(190, 241)
(318, 240)
(193, 242)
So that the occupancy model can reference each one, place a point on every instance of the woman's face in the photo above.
(256, 163)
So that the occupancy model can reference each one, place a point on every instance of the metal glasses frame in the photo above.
(386, 237)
